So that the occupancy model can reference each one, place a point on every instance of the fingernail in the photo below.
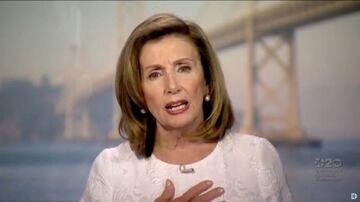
(221, 190)
(209, 182)
(168, 183)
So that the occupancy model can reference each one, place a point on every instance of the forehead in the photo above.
(170, 47)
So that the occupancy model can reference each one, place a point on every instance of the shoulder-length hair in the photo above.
(140, 128)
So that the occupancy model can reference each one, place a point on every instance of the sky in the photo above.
(35, 37)
(38, 38)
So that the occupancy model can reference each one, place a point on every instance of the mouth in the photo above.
(177, 107)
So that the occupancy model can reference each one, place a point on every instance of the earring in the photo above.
(207, 98)
(142, 111)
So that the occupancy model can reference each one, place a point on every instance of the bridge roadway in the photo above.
(279, 18)
(271, 20)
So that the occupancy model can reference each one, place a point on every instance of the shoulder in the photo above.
(245, 142)
(263, 162)
(249, 147)
(117, 154)
(105, 161)
(100, 182)
(256, 149)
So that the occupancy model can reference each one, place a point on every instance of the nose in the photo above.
(172, 85)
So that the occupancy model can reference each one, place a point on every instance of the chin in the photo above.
(179, 124)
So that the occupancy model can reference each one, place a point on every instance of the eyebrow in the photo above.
(184, 59)
(156, 66)
(151, 68)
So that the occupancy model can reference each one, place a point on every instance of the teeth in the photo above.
(178, 107)
(175, 105)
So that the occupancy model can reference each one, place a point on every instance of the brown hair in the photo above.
(139, 128)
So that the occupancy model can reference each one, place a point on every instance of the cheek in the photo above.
(201, 85)
(197, 89)
(152, 97)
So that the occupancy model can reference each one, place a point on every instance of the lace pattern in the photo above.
(248, 167)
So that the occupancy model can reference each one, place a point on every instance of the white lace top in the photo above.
(248, 167)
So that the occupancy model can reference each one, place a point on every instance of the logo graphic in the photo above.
(328, 163)
(354, 196)
(328, 169)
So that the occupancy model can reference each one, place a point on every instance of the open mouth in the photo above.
(177, 107)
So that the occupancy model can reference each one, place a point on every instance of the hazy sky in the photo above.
(36, 39)
(36, 36)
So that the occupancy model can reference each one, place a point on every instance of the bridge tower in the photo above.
(270, 104)
(77, 119)
(270, 99)
(127, 14)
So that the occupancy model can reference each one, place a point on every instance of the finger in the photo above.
(196, 190)
(210, 195)
(168, 193)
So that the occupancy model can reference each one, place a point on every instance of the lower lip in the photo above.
(179, 111)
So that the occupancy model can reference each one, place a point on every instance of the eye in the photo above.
(154, 75)
(184, 68)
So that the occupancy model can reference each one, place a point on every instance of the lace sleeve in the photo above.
(272, 180)
(98, 186)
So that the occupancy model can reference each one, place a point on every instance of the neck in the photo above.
(174, 146)
(171, 139)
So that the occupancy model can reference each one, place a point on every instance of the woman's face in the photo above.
(173, 82)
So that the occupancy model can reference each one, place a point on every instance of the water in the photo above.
(326, 173)
(45, 172)
(58, 172)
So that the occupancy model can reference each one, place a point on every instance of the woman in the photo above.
(176, 116)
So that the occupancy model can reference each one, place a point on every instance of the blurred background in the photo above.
(291, 69)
